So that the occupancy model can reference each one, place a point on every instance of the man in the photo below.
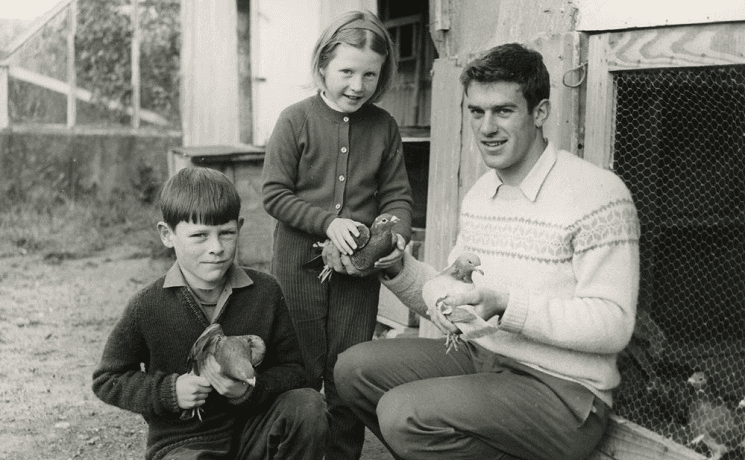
(558, 242)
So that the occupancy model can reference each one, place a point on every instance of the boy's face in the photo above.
(204, 252)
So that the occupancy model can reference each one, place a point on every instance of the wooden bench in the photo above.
(625, 440)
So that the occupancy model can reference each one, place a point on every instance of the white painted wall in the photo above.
(209, 73)
(283, 33)
(627, 14)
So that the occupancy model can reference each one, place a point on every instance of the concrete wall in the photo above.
(63, 164)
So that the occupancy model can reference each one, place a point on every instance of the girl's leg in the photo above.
(306, 297)
(353, 307)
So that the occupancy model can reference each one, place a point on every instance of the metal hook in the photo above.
(583, 68)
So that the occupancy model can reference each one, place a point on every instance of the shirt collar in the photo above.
(531, 185)
(237, 278)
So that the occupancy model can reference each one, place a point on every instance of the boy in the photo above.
(143, 368)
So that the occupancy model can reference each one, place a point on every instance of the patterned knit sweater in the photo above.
(148, 348)
(565, 246)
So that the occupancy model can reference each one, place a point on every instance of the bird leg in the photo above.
(189, 414)
(327, 270)
(325, 273)
(451, 342)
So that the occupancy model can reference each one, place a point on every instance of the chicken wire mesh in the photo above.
(679, 144)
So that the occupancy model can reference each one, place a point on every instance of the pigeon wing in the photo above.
(205, 345)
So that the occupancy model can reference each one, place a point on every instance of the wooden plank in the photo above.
(561, 54)
(4, 115)
(34, 28)
(72, 13)
(56, 129)
(443, 198)
(625, 440)
(136, 39)
(209, 70)
(82, 94)
(599, 102)
(684, 46)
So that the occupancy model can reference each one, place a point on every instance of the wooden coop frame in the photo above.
(700, 45)
(69, 87)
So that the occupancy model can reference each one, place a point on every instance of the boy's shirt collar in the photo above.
(531, 185)
(236, 278)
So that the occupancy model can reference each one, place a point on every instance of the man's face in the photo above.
(508, 135)
(204, 252)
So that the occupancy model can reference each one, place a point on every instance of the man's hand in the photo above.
(443, 324)
(225, 386)
(395, 257)
(486, 302)
(342, 233)
(191, 390)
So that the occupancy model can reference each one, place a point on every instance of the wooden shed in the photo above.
(653, 90)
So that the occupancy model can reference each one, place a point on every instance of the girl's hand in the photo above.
(225, 386)
(191, 390)
(341, 232)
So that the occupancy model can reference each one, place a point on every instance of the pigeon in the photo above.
(456, 278)
(712, 421)
(237, 356)
(372, 244)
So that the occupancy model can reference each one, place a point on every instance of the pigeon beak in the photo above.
(395, 219)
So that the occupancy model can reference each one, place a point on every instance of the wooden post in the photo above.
(599, 107)
(72, 14)
(4, 116)
(136, 38)
(443, 199)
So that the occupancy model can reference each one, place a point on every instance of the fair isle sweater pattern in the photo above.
(546, 242)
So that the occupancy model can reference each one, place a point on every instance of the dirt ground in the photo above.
(55, 314)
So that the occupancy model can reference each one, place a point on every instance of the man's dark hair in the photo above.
(513, 63)
(201, 196)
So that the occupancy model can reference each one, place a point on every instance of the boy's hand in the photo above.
(227, 387)
(191, 390)
(342, 232)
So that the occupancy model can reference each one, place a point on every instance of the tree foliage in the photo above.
(103, 48)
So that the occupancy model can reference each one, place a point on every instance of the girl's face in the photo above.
(351, 76)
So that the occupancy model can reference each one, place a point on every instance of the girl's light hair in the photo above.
(368, 32)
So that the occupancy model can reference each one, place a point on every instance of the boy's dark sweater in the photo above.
(158, 329)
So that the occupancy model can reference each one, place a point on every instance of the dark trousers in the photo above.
(328, 318)
(293, 428)
(468, 404)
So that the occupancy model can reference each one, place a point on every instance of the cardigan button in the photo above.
(343, 150)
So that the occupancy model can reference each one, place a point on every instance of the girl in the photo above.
(335, 160)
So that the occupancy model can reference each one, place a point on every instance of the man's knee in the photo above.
(348, 368)
(394, 417)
